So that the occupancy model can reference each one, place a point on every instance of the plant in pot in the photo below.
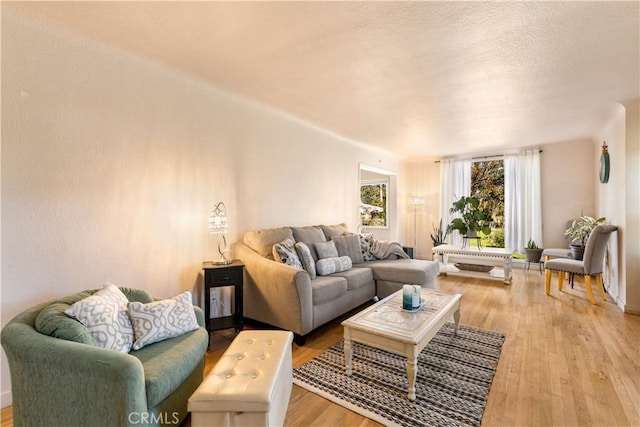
(579, 233)
(439, 234)
(532, 252)
(473, 217)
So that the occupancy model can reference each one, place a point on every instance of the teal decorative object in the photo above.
(604, 164)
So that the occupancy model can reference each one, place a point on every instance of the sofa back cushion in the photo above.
(349, 246)
(262, 241)
(53, 321)
(334, 230)
(309, 235)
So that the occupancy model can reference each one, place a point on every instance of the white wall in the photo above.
(422, 180)
(567, 181)
(610, 197)
(632, 206)
(110, 165)
(630, 293)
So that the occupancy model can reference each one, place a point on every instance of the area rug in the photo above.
(452, 384)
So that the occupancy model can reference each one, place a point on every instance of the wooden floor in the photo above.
(564, 362)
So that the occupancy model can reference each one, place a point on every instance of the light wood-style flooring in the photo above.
(564, 362)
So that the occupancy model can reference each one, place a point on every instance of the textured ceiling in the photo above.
(416, 78)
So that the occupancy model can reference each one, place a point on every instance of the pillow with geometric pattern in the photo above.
(104, 314)
(285, 252)
(161, 320)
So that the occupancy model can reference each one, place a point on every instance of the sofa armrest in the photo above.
(275, 293)
(199, 315)
(63, 370)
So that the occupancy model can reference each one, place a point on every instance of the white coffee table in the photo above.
(385, 325)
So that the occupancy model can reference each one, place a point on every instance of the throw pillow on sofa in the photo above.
(326, 250)
(366, 241)
(285, 252)
(304, 253)
(349, 246)
(333, 265)
(161, 320)
(105, 317)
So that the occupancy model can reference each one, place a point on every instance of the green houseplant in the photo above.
(473, 217)
(532, 252)
(439, 234)
(579, 233)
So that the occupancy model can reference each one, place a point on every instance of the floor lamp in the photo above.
(416, 202)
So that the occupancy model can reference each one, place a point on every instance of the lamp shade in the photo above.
(416, 201)
(218, 219)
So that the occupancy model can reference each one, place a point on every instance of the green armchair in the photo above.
(66, 381)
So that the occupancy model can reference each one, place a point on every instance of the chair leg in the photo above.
(547, 281)
(587, 284)
(560, 280)
(600, 286)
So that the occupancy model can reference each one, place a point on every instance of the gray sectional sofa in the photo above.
(289, 298)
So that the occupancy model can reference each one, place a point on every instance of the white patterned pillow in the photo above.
(326, 266)
(285, 252)
(161, 320)
(104, 314)
(366, 241)
(304, 253)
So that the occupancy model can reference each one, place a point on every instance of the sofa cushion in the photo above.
(285, 252)
(326, 249)
(357, 277)
(327, 288)
(53, 321)
(105, 317)
(161, 320)
(304, 253)
(310, 235)
(334, 230)
(262, 241)
(167, 364)
(412, 271)
(327, 266)
(349, 246)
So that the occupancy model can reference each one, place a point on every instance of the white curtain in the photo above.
(522, 200)
(455, 182)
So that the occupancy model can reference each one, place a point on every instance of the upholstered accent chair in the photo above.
(60, 377)
(590, 266)
(552, 253)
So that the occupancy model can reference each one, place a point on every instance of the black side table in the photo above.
(216, 276)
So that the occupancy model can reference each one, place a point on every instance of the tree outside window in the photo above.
(487, 185)
(373, 203)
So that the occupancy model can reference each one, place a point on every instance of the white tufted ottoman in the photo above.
(249, 386)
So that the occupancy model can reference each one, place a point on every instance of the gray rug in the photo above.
(453, 381)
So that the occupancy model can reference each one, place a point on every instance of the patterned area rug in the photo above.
(453, 381)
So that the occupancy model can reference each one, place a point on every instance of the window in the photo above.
(373, 202)
(487, 184)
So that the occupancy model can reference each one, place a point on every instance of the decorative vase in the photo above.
(577, 252)
(471, 233)
(532, 255)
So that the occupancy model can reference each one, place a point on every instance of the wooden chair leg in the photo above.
(587, 284)
(560, 280)
(547, 281)
(600, 286)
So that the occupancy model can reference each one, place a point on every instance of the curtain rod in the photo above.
(495, 156)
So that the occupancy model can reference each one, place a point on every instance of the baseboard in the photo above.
(630, 309)
(5, 399)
